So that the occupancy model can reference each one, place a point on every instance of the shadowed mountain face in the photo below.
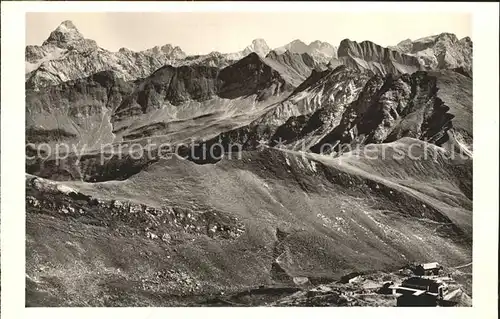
(257, 187)
(101, 108)
(443, 51)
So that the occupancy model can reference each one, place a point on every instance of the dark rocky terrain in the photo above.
(277, 221)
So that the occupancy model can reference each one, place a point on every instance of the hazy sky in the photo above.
(198, 33)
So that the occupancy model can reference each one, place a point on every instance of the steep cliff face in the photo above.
(390, 108)
(63, 39)
(331, 92)
(442, 51)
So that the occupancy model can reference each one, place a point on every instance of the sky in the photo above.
(203, 32)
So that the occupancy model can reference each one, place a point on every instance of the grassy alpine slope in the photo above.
(280, 215)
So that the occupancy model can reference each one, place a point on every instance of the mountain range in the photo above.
(67, 55)
(290, 206)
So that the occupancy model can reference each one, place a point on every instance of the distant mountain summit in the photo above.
(322, 52)
(442, 51)
(66, 55)
(258, 46)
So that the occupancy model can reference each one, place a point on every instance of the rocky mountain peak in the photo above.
(443, 39)
(447, 35)
(441, 51)
(258, 46)
(67, 25)
(344, 46)
(296, 46)
(466, 40)
(124, 50)
(168, 50)
(165, 48)
(66, 32)
(67, 36)
(321, 52)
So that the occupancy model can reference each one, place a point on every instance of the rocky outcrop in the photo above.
(438, 52)
(303, 131)
(175, 53)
